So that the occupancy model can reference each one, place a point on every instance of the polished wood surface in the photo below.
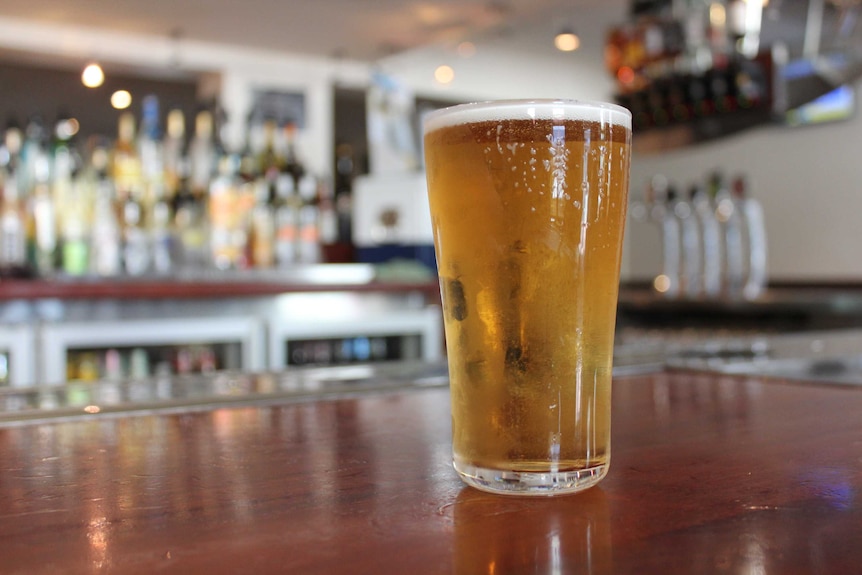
(710, 474)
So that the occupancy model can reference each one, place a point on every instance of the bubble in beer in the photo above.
(516, 359)
(455, 295)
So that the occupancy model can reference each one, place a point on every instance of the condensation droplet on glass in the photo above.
(533, 209)
(533, 151)
(547, 164)
(577, 204)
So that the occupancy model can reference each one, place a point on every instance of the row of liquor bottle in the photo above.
(667, 38)
(143, 362)
(153, 201)
(122, 363)
(677, 64)
(713, 239)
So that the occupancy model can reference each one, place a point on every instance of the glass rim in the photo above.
(590, 110)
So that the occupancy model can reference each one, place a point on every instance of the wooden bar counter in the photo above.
(710, 474)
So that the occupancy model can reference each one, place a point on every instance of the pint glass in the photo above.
(528, 203)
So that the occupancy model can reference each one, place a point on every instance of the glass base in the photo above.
(530, 483)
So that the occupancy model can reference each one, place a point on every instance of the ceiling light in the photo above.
(121, 99)
(93, 76)
(567, 41)
(444, 74)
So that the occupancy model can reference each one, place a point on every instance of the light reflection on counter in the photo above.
(196, 392)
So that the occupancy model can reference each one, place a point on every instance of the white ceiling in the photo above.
(353, 29)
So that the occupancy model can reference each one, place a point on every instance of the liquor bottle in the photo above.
(292, 163)
(139, 364)
(161, 240)
(10, 149)
(42, 218)
(174, 149)
(262, 235)
(105, 240)
(126, 164)
(222, 215)
(190, 230)
(755, 235)
(150, 151)
(710, 238)
(34, 155)
(202, 155)
(286, 221)
(65, 167)
(344, 174)
(309, 249)
(309, 234)
(730, 222)
(113, 370)
(13, 233)
(659, 199)
(691, 252)
(136, 249)
(75, 231)
(269, 162)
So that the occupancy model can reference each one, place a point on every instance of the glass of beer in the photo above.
(528, 203)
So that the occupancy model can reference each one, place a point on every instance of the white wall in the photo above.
(809, 180)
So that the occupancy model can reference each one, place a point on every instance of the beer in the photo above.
(528, 205)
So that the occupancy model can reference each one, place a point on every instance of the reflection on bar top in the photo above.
(833, 357)
(199, 392)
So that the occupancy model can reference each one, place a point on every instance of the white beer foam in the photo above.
(601, 112)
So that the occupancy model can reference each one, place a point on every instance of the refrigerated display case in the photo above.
(340, 328)
(17, 358)
(242, 334)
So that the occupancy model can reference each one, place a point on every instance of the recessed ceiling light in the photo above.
(444, 74)
(567, 41)
(93, 76)
(121, 99)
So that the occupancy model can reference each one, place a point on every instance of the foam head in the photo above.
(600, 112)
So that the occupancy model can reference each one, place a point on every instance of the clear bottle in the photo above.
(42, 224)
(222, 216)
(203, 161)
(710, 239)
(691, 248)
(126, 164)
(309, 234)
(105, 240)
(286, 222)
(34, 155)
(151, 151)
(754, 226)
(659, 199)
(75, 232)
(136, 248)
(174, 149)
(13, 230)
(262, 236)
(730, 221)
(161, 240)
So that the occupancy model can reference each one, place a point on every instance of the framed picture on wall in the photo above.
(278, 106)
